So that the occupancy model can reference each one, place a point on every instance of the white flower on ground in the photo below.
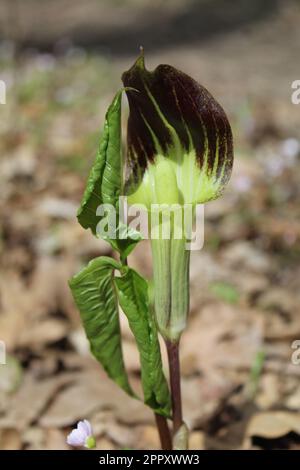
(82, 436)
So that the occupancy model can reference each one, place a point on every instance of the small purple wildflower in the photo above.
(82, 436)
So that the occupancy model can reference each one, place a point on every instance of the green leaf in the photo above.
(133, 298)
(105, 179)
(96, 298)
(104, 185)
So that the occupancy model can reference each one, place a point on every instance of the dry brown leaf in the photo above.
(74, 362)
(76, 402)
(10, 439)
(279, 329)
(122, 436)
(99, 421)
(91, 391)
(104, 444)
(269, 391)
(204, 269)
(55, 440)
(84, 245)
(49, 287)
(30, 400)
(197, 441)
(43, 286)
(273, 424)
(278, 299)
(43, 332)
(293, 401)
(201, 398)
(245, 255)
(23, 306)
(222, 336)
(249, 283)
(56, 208)
(132, 412)
(33, 438)
(16, 307)
(147, 438)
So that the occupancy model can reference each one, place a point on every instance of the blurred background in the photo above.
(61, 61)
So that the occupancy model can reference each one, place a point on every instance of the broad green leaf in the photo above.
(133, 298)
(104, 185)
(95, 295)
(105, 179)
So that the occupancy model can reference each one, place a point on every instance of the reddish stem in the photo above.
(164, 432)
(174, 368)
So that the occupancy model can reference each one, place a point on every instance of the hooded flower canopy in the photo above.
(180, 146)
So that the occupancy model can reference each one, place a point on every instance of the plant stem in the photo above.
(161, 421)
(174, 368)
(163, 431)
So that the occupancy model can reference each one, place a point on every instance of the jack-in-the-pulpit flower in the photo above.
(179, 139)
(82, 435)
(180, 152)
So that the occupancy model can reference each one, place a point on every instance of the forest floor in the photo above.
(240, 386)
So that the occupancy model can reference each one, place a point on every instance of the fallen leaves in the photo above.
(244, 282)
(273, 425)
(10, 439)
(29, 401)
(223, 336)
